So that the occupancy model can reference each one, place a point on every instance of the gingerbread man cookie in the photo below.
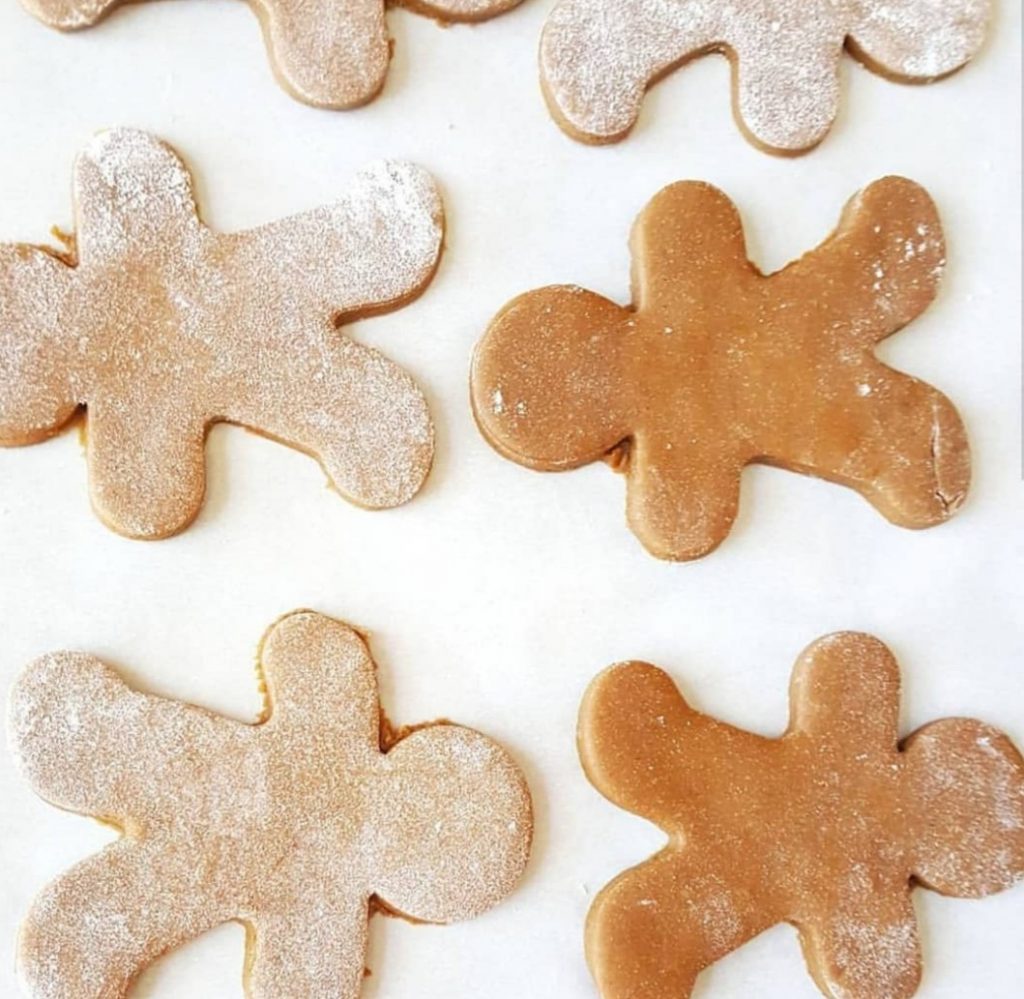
(598, 57)
(717, 365)
(827, 827)
(161, 326)
(299, 826)
(328, 54)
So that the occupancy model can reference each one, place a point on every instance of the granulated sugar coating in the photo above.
(599, 56)
(160, 327)
(292, 826)
(324, 52)
(827, 827)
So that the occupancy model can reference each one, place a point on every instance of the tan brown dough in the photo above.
(291, 826)
(161, 326)
(324, 53)
(717, 365)
(827, 827)
(598, 57)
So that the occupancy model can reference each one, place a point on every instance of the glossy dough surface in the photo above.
(291, 825)
(717, 365)
(598, 57)
(328, 54)
(826, 827)
(160, 327)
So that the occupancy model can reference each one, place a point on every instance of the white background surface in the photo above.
(497, 594)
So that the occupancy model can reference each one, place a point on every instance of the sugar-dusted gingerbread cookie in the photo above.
(827, 827)
(598, 57)
(299, 826)
(717, 365)
(161, 326)
(328, 54)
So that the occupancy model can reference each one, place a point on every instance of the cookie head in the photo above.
(465, 832)
(967, 783)
(546, 381)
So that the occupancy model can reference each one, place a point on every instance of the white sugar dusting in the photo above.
(164, 326)
(291, 825)
(827, 827)
(331, 55)
(598, 56)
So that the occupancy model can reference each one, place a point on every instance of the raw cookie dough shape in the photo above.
(161, 326)
(328, 53)
(827, 827)
(294, 826)
(598, 57)
(717, 365)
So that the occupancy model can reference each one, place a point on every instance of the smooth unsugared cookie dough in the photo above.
(717, 365)
(328, 53)
(295, 826)
(827, 827)
(598, 57)
(160, 327)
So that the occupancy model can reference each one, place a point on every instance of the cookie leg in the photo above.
(787, 94)
(93, 930)
(358, 413)
(868, 945)
(900, 443)
(598, 59)
(146, 469)
(315, 952)
(656, 927)
(680, 505)
(326, 54)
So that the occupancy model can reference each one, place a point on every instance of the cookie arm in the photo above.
(36, 396)
(147, 464)
(920, 40)
(598, 59)
(133, 195)
(319, 677)
(652, 930)
(92, 931)
(965, 782)
(843, 677)
(680, 501)
(689, 252)
(315, 950)
(326, 54)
